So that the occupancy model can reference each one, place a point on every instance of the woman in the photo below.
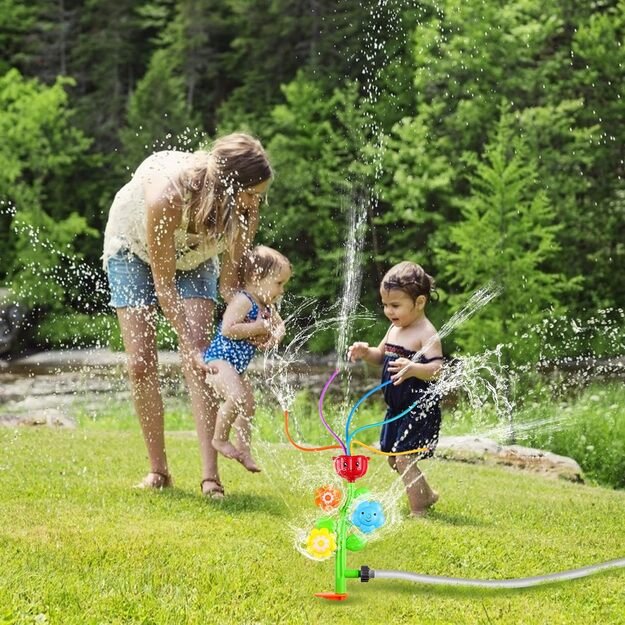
(165, 230)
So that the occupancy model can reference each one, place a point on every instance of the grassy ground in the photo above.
(79, 546)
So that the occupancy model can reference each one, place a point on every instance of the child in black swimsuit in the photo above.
(411, 355)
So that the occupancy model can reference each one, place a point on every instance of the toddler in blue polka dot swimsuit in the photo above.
(250, 320)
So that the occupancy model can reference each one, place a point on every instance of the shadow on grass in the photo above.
(454, 519)
(246, 502)
(231, 503)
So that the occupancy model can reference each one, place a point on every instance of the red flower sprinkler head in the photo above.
(350, 468)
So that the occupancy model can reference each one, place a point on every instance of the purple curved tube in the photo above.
(323, 394)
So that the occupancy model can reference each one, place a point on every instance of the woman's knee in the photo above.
(142, 367)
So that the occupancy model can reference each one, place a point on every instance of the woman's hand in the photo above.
(195, 358)
(401, 369)
(358, 351)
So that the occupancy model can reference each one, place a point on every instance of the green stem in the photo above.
(340, 585)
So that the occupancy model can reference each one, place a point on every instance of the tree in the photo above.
(469, 56)
(417, 192)
(40, 148)
(506, 235)
(158, 113)
(316, 149)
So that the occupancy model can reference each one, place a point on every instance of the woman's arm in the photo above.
(229, 274)
(163, 216)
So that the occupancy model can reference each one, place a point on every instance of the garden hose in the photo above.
(524, 582)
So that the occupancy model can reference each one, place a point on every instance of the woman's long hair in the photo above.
(235, 162)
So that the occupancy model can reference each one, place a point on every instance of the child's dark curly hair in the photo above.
(411, 279)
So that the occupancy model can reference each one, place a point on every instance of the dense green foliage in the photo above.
(453, 117)
(586, 425)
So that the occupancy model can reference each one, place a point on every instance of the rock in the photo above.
(50, 417)
(466, 448)
(474, 449)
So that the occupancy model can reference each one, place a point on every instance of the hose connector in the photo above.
(366, 574)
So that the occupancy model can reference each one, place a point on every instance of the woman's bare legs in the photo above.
(204, 403)
(138, 329)
(420, 494)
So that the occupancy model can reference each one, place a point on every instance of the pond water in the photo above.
(47, 385)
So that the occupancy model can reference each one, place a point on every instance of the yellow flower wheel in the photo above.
(321, 543)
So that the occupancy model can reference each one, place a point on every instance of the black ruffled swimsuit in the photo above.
(418, 428)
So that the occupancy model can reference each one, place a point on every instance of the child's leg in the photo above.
(227, 384)
(420, 494)
(243, 427)
(237, 407)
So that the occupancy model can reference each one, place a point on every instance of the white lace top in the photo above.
(126, 227)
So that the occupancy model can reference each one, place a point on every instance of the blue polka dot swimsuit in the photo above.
(238, 352)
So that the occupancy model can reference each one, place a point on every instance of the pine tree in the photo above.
(158, 113)
(506, 235)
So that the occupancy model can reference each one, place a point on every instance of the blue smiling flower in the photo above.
(368, 516)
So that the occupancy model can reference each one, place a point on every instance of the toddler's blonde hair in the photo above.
(260, 262)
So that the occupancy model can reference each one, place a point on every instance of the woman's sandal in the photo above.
(214, 492)
(155, 480)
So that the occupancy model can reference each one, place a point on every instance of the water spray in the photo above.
(357, 515)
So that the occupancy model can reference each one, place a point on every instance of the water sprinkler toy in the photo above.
(351, 517)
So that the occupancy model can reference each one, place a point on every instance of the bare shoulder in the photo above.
(428, 329)
(160, 192)
(239, 302)
(430, 340)
(161, 175)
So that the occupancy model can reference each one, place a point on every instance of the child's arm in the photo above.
(234, 325)
(278, 330)
(362, 351)
(403, 368)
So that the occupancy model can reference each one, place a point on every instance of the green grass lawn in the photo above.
(79, 545)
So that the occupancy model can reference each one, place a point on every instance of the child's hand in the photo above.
(262, 325)
(357, 351)
(277, 334)
(401, 369)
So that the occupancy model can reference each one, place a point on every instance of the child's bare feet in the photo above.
(248, 462)
(227, 449)
(422, 510)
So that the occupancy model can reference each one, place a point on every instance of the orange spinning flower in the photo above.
(327, 497)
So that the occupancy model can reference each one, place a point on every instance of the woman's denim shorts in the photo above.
(132, 285)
